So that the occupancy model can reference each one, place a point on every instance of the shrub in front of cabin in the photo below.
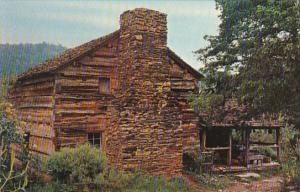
(77, 165)
(85, 168)
(12, 150)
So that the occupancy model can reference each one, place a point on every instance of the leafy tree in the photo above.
(255, 58)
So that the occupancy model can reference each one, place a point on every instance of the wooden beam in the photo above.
(203, 139)
(217, 148)
(263, 143)
(230, 145)
(247, 137)
(261, 146)
(278, 144)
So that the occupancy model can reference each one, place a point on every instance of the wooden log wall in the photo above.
(79, 106)
(183, 84)
(33, 99)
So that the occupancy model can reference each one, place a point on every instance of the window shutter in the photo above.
(104, 85)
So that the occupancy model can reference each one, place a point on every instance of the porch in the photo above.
(218, 168)
(240, 148)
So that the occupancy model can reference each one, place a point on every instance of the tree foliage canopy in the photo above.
(255, 58)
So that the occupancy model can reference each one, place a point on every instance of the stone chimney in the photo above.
(146, 110)
(143, 42)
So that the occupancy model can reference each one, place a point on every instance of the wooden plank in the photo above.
(86, 71)
(35, 105)
(37, 80)
(182, 85)
(99, 61)
(38, 129)
(262, 143)
(217, 148)
(40, 120)
(262, 146)
(78, 82)
(42, 145)
(42, 92)
(104, 53)
(84, 96)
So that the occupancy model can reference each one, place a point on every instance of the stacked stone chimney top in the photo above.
(144, 20)
(143, 11)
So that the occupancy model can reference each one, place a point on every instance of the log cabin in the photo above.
(125, 93)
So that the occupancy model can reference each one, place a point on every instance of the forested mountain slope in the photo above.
(16, 58)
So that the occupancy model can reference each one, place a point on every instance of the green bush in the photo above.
(112, 180)
(269, 152)
(115, 181)
(195, 164)
(262, 136)
(77, 165)
(85, 169)
(51, 187)
(191, 162)
(290, 156)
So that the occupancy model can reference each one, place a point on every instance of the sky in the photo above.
(71, 23)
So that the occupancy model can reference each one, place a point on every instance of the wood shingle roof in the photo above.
(67, 56)
(74, 53)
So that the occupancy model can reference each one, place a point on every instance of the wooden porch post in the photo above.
(204, 139)
(230, 145)
(278, 143)
(247, 135)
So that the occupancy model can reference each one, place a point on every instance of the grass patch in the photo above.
(141, 183)
(214, 181)
(269, 173)
(136, 182)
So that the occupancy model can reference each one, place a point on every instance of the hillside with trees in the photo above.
(16, 58)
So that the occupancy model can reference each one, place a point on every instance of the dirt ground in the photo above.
(270, 184)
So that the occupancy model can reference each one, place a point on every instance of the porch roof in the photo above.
(235, 115)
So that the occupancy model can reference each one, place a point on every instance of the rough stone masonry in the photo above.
(146, 131)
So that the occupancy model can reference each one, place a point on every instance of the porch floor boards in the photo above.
(235, 168)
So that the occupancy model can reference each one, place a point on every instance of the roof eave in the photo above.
(185, 65)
